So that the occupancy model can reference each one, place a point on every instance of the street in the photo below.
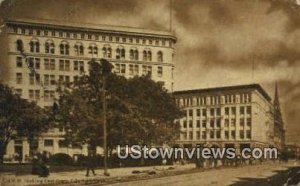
(268, 174)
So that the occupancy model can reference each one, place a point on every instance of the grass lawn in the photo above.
(21, 169)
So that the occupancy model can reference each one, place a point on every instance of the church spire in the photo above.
(276, 97)
(276, 104)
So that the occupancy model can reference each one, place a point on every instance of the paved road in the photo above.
(264, 175)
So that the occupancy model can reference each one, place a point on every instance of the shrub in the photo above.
(60, 159)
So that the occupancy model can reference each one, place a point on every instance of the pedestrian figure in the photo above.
(43, 167)
(34, 169)
(90, 163)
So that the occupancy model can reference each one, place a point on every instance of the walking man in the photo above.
(90, 163)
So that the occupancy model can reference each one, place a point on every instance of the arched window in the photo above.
(93, 49)
(159, 56)
(79, 49)
(64, 48)
(145, 55)
(34, 46)
(131, 54)
(106, 51)
(19, 45)
(120, 52)
(134, 54)
(49, 47)
(149, 56)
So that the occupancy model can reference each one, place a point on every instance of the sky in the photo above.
(220, 42)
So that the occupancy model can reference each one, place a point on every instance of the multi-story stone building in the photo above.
(234, 116)
(37, 54)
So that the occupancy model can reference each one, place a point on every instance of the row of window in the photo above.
(78, 65)
(64, 49)
(50, 79)
(216, 135)
(50, 64)
(49, 95)
(214, 100)
(217, 111)
(95, 37)
(216, 123)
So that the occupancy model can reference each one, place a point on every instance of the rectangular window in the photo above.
(34, 79)
(47, 64)
(226, 134)
(130, 69)
(52, 80)
(248, 134)
(249, 122)
(242, 134)
(203, 123)
(198, 112)
(242, 122)
(242, 111)
(191, 124)
(52, 64)
(123, 69)
(31, 94)
(233, 121)
(233, 111)
(46, 79)
(203, 134)
(226, 122)
(211, 134)
(136, 69)
(212, 123)
(64, 65)
(198, 123)
(75, 65)
(248, 109)
(218, 111)
(198, 135)
(19, 78)
(218, 122)
(212, 112)
(184, 124)
(159, 71)
(233, 134)
(37, 94)
(19, 62)
(190, 113)
(218, 134)
(204, 112)
(48, 143)
(227, 111)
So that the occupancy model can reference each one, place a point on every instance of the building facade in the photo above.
(234, 116)
(37, 54)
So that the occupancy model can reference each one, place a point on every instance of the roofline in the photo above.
(92, 27)
(225, 88)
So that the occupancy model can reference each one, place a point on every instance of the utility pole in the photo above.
(104, 124)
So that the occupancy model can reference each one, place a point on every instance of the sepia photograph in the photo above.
(150, 92)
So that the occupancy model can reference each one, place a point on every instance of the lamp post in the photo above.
(106, 69)
(104, 125)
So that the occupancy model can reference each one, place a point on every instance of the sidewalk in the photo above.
(116, 175)
(79, 176)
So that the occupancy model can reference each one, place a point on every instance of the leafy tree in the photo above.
(139, 110)
(19, 118)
